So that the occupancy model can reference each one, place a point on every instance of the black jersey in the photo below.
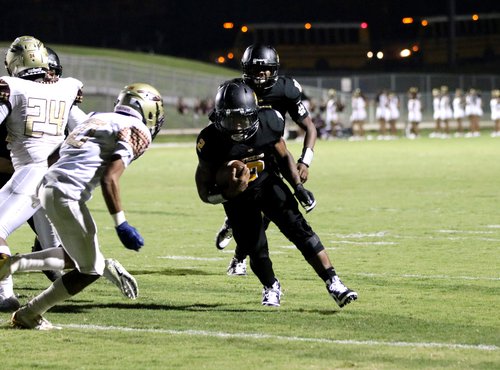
(4, 152)
(257, 152)
(285, 96)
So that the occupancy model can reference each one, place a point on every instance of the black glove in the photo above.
(305, 198)
(129, 236)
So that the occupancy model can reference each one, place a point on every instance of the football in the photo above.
(225, 172)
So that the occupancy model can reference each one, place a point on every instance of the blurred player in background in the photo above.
(436, 113)
(333, 109)
(393, 109)
(96, 152)
(474, 111)
(458, 105)
(260, 65)
(382, 113)
(241, 130)
(358, 115)
(414, 112)
(495, 112)
(446, 111)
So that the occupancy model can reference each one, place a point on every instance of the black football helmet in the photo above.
(255, 60)
(54, 62)
(236, 110)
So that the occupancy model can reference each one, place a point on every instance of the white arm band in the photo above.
(307, 156)
(119, 218)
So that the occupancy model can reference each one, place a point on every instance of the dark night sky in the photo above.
(193, 28)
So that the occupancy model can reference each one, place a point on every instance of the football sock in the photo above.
(48, 259)
(51, 296)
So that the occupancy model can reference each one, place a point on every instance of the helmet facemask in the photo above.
(239, 124)
(236, 111)
(260, 76)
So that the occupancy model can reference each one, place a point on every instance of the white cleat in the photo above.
(116, 273)
(22, 320)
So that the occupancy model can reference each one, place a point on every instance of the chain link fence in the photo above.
(103, 78)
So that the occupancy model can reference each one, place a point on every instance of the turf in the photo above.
(413, 226)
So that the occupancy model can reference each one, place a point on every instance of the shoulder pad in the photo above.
(238, 79)
(293, 90)
(273, 119)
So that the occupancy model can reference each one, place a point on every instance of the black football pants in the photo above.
(274, 199)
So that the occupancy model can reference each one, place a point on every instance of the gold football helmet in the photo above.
(27, 58)
(147, 101)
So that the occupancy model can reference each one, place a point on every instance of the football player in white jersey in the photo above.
(35, 109)
(96, 152)
(35, 105)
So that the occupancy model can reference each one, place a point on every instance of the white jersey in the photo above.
(331, 113)
(39, 113)
(382, 111)
(473, 105)
(358, 105)
(393, 106)
(458, 107)
(445, 107)
(495, 108)
(436, 108)
(414, 110)
(89, 148)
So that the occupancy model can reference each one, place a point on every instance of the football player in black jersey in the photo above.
(260, 65)
(243, 131)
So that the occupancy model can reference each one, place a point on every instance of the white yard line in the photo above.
(191, 258)
(173, 145)
(258, 336)
(419, 276)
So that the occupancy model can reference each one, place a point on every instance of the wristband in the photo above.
(307, 156)
(119, 218)
(216, 198)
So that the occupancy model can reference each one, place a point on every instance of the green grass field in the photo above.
(413, 226)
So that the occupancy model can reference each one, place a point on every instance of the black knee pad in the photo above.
(310, 247)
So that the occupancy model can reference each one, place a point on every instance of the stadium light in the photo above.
(405, 53)
(407, 20)
(228, 25)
